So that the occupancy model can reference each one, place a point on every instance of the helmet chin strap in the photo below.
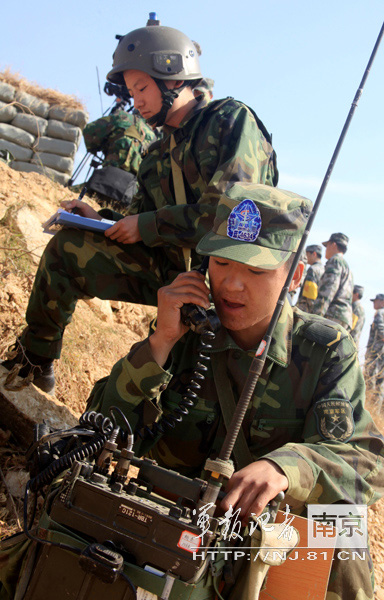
(168, 98)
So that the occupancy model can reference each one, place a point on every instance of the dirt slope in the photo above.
(96, 338)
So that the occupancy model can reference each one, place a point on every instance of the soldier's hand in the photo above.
(82, 209)
(125, 231)
(186, 288)
(251, 488)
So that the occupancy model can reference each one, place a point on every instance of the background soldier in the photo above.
(358, 314)
(205, 88)
(306, 431)
(374, 357)
(334, 299)
(203, 148)
(122, 138)
(309, 289)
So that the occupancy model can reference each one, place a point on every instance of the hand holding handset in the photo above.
(196, 317)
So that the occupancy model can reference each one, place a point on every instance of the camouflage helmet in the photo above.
(161, 52)
(257, 225)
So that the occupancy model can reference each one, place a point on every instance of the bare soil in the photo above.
(94, 340)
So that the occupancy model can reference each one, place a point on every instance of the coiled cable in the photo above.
(189, 397)
(103, 427)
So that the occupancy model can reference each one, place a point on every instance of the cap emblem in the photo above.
(244, 222)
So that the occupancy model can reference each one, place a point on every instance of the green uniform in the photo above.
(309, 289)
(334, 299)
(304, 376)
(358, 320)
(374, 358)
(216, 144)
(122, 138)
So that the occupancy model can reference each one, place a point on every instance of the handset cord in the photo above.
(189, 397)
(205, 323)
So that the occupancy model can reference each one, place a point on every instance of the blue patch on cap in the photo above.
(244, 222)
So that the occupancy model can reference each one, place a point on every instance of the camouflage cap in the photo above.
(358, 289)
(256, 224)
(339, 238)
(314, 248)
(378, 297)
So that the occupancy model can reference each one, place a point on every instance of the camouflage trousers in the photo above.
(81, 264)
(374, 377)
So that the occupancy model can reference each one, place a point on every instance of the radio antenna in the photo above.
(259, 359)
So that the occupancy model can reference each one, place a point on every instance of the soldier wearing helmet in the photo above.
(203, 148)
(163, 54)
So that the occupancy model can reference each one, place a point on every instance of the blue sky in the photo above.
(298, 64)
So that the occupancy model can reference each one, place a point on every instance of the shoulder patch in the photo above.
(324, 333)
(335, 419)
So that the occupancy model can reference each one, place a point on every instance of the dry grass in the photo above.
(50, 96)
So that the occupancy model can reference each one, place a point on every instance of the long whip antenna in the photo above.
(98, 83)
(262, 350)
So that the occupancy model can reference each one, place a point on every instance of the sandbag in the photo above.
(69, 115)
(7, 112)
(54, 161)
(55, 146)
(7, 92)
(18, 152)
(35, 105)
(31, 123)
(16, 135)
(63, 131)
(50, 173)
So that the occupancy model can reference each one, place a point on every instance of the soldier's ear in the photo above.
(297, 277)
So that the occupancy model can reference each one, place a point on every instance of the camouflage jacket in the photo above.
(309, 289)
(311, 376)
(334, 299)
(358, 320)
(306, 414)
(376, 334)
(217, 144)
(121, 137)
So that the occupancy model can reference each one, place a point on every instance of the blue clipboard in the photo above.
(62, 218)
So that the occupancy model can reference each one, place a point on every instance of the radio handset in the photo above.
(196, 317)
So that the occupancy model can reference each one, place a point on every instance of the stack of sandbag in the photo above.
(40, 136)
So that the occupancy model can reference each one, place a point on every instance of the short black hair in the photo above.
(341, 247)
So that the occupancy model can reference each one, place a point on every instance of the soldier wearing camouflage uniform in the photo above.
(205, 89)
(309, 289)
(334, 299)
(306, 430)
(210, 146)
(374, 357)
(122, 138)
(358, 314)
